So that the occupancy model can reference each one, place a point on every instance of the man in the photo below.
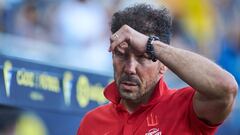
(140, 101)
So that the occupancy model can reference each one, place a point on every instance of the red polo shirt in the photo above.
(169, 112)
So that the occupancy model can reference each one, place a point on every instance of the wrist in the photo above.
(150, 48)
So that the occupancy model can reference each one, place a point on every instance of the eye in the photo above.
(118, 53)
(142, 59)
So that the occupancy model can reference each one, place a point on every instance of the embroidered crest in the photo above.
(152, 120)
(154, 131)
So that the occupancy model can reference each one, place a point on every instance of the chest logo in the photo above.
(154, 131)
(152, 120)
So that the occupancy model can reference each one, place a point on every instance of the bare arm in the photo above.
(216, 88)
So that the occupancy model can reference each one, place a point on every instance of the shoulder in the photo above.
(178, 98)
(98, 112)
(94, 117)
(180, 94)
(185, 96)
(185, 92)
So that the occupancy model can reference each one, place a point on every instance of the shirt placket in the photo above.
(127, 120)
(128, 125)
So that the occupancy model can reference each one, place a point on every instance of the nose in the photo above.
(130, 66)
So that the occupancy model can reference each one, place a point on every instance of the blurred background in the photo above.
(75, 33)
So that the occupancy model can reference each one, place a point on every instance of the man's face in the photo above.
(135, 74)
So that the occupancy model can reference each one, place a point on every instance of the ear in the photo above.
(163, 69)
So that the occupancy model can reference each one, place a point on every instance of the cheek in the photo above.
(117, 70)
(149, 77)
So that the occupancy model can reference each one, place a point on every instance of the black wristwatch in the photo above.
(150, 49)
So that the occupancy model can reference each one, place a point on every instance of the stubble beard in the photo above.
(139, 94)
(129, 96)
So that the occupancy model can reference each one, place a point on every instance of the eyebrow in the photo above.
(118, 49)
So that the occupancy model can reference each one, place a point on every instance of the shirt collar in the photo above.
(112, 94)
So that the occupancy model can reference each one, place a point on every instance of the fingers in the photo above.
(122, 35)
(136, 40)
(122, 47)
(112, 39)
(115, 40)
(115, 36)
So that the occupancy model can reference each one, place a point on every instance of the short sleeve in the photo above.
(199, 126)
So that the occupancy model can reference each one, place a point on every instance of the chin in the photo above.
(128, 96)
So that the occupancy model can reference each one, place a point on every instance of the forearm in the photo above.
(200, 73)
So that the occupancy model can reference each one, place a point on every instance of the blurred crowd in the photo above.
(81, 29)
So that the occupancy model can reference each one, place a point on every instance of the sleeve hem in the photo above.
(198, 122)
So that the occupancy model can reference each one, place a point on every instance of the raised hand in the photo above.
(136, 40)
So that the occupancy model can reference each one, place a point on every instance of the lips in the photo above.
(129, 83)
(128, 86)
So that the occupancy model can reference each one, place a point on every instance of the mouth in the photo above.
(128, 85)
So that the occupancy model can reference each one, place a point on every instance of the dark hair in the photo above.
(145, 19)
